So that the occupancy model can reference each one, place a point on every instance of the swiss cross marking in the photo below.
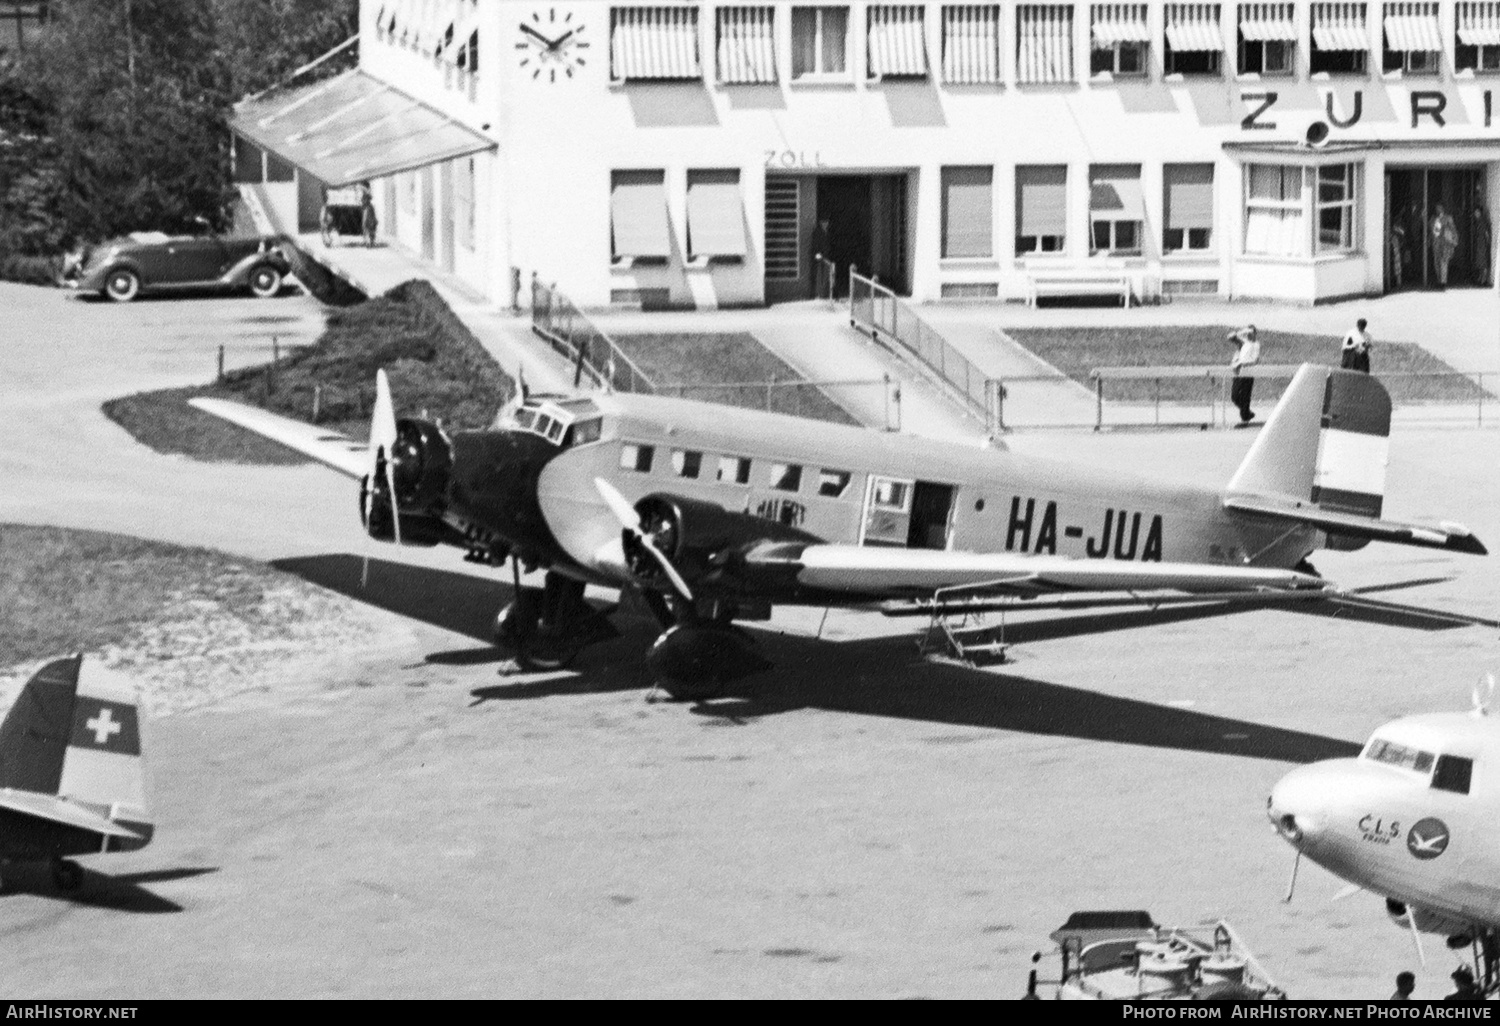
(103, 727)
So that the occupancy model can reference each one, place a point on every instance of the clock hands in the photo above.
(561, 39)
(549, 44)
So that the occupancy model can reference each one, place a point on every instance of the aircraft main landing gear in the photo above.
(546, 629)
(67, 874)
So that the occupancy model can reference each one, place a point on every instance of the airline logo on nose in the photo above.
(1428, 839)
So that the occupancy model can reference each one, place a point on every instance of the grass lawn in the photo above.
(693, 359)
(69, 591)
(436, 367)
(1077, 351)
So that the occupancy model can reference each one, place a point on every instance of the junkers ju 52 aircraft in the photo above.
(715, 514)
(71, 777)
(1416, 819)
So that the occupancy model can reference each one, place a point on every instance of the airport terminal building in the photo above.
(701, 153)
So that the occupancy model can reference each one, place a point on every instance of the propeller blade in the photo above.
(1346, 892)
(390, 482)
(1292, 883)
(625, 513)
(1416, 938)
(382, 437)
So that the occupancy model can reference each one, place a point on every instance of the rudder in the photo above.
(34, 735)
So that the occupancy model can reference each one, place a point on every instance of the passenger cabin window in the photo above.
(831, 483)
(786, 477)
(734, 469)
(1389, 752)
(686, 462)
(892, 494)
(526, 418)
(1453, 774)
(636, 457)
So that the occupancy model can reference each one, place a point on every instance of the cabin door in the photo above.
(909, 514)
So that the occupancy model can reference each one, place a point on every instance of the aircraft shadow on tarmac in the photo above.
(122, 892)
(880, 676)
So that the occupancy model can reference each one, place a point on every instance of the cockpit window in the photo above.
(1453, 774)
(586, 431)
(1393, 754)
(525, 418)
(555, 432)
(544, 425)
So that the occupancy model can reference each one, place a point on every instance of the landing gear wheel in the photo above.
(66, 874)
(690, 690)
(122, 285)
(265, 282)
(539, 655)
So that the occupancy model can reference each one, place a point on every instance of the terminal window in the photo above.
(1477, 47)
(971, 43)
(638, 216)
(654, 44)
(1194, 43)
(1187, 207)
(1116, 209)
(1340, 41)
(1041, 208)
(1044, 43)
(746, 50)
(1413, 42)
(820, 38)
(1121, 40)
(895, 41)
(968, 205)
(1267, 39)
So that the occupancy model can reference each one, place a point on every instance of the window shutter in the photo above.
(968, 211)
(1042, 193)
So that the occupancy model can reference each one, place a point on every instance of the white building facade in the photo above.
(702, 154)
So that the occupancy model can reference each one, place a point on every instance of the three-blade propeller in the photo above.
(631, 522)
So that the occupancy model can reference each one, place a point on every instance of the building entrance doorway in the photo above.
(852, 220)
(1438, 233)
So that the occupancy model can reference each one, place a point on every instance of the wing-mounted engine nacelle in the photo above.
(421, 463)
(1426, 920)
(703, 540)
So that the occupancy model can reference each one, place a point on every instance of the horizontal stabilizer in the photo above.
(63, 812)
(1454, 537)
(329, 448)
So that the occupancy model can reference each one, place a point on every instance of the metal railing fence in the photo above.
(1218, 379)
(876, 310)
(567, 330)
(796, 396)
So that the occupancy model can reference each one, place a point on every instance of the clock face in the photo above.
(553, 45)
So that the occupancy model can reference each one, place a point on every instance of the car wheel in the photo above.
(265, 281)
(122, 285)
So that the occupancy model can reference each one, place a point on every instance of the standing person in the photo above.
(1356, 351)
(1397, 245)
(1405, 984)
(1247, 354)
(1480, 238)
(1444, 234)
(1463, 986)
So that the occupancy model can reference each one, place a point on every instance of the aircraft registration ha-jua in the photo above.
(717, 514)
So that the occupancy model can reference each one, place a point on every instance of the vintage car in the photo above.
(147, 261)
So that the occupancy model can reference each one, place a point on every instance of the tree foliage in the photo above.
(115, 117)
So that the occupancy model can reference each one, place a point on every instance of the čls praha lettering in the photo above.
(1280, 1011)
(76, 1012)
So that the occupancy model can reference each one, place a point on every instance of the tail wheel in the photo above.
(67, 875)
(265, 281)
(122, 285)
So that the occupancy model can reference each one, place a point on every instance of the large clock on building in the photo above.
(552, 45)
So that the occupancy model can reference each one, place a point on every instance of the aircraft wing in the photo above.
(329, 448)
(1441, 536)
(866, 570)
(61, 811)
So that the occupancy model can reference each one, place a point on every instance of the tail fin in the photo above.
(1326, 444)
(78, 737)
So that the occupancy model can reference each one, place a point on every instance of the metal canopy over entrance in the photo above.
(353, 128)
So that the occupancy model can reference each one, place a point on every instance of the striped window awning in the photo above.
(1339, 26)
(897, 44)
(654, 43)
(1115, 193)
(1194, 27)
(1119, 23)
(1262, 22)
(1412, 27)
(747, 44)
(1479, 24)
(715, 215)
(1044, 43)
(638, 214)
(971, 43)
